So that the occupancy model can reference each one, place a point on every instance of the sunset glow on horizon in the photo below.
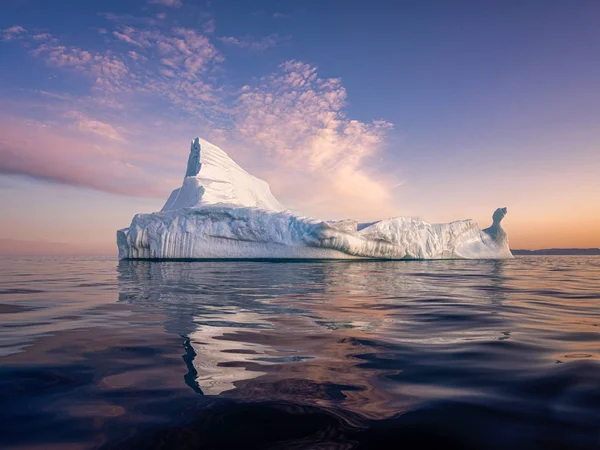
(438, 110)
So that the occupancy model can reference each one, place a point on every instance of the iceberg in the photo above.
(223, 212)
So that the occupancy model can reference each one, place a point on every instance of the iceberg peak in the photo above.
(222, 211)
(212, 177)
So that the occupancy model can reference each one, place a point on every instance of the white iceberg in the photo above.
(221, 211)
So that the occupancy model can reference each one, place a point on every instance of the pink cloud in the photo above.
(107, 71)
(183, 48)
(297, 120)
(184, 54)
(124, 37)
(209, 26)
(96, 127)
(136, 56)
(50, 154)
(14, 32)
(41, 36)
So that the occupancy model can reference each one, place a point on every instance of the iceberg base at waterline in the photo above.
(222, 211)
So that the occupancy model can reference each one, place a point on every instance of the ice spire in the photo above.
(194, 164)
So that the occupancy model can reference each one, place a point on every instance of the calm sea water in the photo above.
(447, 354)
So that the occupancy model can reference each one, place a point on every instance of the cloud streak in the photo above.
(46, 153)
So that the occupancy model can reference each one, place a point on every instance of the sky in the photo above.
(349, 109)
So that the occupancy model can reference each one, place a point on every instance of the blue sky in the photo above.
(438, 109)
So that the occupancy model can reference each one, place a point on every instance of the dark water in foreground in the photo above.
(446, 354)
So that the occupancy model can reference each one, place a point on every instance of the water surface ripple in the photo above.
(96, 353)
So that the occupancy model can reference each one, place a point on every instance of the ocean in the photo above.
(97, 353)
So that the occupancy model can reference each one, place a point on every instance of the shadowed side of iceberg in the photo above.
(221, 211)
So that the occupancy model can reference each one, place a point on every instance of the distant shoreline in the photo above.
(558, 251)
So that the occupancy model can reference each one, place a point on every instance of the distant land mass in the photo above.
(558, 251)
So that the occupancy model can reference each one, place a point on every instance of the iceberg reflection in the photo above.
(267, 330)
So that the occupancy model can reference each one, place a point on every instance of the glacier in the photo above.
(223, 212)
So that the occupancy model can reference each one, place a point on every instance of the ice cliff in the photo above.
(221, 211)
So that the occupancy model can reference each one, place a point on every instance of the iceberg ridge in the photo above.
(222, 211)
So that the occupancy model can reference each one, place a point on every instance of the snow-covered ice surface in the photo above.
(213, 178)
(221, 211)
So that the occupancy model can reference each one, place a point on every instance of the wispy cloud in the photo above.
(260, 44)
(183, 57)
(182, 48)
(93, 126)
(209, 26)
(170, 63)
(41, 37)
(171, 3)
(298, 119)
(136, 56)
(128, 19)
(124, 37)
(107, 71)
(14, 32)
